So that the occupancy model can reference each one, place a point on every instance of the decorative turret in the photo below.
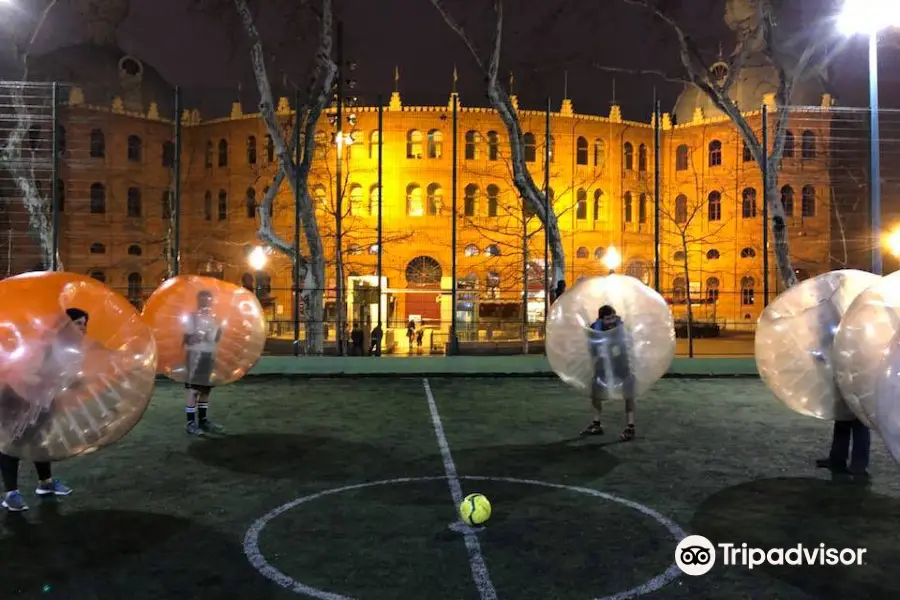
(615, 113)
(237, 110)
(396, 103)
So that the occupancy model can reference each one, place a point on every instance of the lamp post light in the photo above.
(258, 259)
(868, 17)
(612, 259)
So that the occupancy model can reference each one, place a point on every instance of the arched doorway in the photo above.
(423, 282)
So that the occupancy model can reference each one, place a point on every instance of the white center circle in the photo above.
(259, 562)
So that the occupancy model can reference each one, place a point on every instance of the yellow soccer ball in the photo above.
(475, 509)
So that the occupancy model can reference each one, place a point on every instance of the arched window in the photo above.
(582, 253)
(787, 200)
(748, 253)
(223, 153)
(135, 287)
(681, 209)
(98, 199)
(207, 206)
(208, 157)
(99, 276)
(270, 149)
(679, 290)
(599, 253)
(493, 145)
(629, 156)
(715, 153)
(423, 271)
(712, 254)
(598, 204)
(492, 250)
(168, 154)
(223, 205)
(788, 144)
(168, 203)
(748, 291)
(712, 290)
(470, 200)
(678, 257)
(357, 206)
(435, 144)
(134, 250)
(747, 155)
(320, 197)
(748, 203)
(530, 147)
(802, 274)
(374, 142)
(97, 248)
(809, 201)
(374, 196)
(626, 207)
(599, 152)
(473, 145)
(808, 148)
(414, 144)
(133, 203)
(135, 149)
(493, 200)
(415, 207)
(682, 158)
(492, 280)
(435, 200)
(581, 151)
(98, 144)
(642, 208)
(638, 269)
(581, 206)
(714, 206)
(251, 150)
(250, 203)
(642, 158)
(471, 250)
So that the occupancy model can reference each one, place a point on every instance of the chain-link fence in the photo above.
(422, 225)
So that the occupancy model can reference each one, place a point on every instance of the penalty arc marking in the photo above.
(259, 562)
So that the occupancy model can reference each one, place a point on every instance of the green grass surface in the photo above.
(161, 516)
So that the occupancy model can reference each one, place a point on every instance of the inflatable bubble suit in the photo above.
(628, 359)
(887, 398)
(208, 332)
(863, 346)
(795, 337)
(64, 392)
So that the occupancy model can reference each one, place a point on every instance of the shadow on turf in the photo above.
(781, 513)
(120, 554)
(304, 457)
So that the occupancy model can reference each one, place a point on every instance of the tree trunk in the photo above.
(779, 235)
(687, 297)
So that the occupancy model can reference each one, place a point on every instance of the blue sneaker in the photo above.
(53, 488)
(14, 502)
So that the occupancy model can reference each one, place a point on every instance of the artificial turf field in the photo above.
(161, 516)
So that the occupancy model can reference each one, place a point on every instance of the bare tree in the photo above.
(759, 36)
(489, 63)
(295, 166)
(22, 162)
(686, 218)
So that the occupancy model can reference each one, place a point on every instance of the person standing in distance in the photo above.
(13, 500)
(201, 340)
(612, 367)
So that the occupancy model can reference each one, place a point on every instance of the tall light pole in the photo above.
(868, 17)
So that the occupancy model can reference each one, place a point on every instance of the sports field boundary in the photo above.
(470, 366)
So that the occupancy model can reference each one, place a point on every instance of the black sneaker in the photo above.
(827, 463)
(595, 428)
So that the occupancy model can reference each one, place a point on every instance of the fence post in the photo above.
(547, 208)
(380, 267)
(298, 153)
(657, 141)
(54, 175)
(454, 339)
(765, 219)
(176, 192)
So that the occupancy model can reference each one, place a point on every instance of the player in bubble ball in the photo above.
(13, 500)
(610, 351)
(201, 339)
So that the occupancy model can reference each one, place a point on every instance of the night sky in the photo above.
(197, 51)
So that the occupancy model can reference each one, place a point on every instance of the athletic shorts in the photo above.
(199, 370)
